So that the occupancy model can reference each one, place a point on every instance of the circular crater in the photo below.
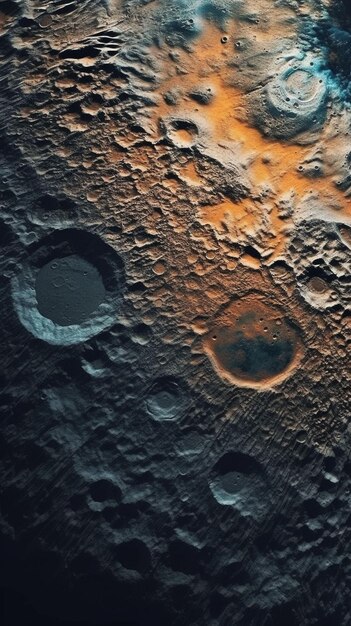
(318, 291)
(253, 344)
(183, 132)
(69, 288)
(238, 480)
(166, 400)
(295, 101)
(104, 490)
(54, 212)
(191, 444)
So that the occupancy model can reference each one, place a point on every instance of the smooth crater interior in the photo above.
(68, 290)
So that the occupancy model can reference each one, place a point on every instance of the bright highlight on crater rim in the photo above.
(175, 229)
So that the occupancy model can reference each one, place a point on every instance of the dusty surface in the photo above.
(173, 172)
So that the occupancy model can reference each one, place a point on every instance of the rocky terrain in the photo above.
(175, 224)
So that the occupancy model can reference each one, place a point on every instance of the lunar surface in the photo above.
(175, 227)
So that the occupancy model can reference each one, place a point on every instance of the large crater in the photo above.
(253, 344)
(69, 288)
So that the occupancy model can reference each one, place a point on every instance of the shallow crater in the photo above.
(238, 480)
(253, 344)
(70, 287)
(166, 399)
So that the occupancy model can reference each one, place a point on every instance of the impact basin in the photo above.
(69, 288)
(253, 343)
(294, 101)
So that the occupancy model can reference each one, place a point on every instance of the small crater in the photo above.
(166, 400)
(317, 284)
(318, 290)
(191, 444)
(182, 133)
(45, 20)
(140, 334)
(238, 480)
(159, 268)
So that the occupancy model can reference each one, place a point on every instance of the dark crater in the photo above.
(68, 290)
(87, 251)
(70, 287)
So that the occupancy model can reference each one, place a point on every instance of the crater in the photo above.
(191, 444)
(183, 133)
(53, 211)
(166, 400)
(69, 288)
(253, 344)
(344, 233)
(301, 85)
(238, 480)
(104, 490)
(295, 100)
(318, 291)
